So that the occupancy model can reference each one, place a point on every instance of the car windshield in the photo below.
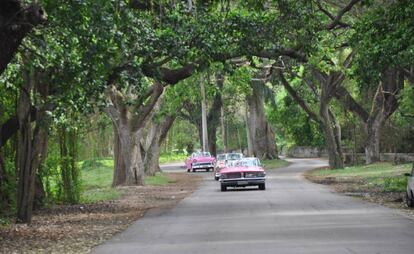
(234, 156)
(248, 163)
(221, 157)
(231, 163)
(205, 154)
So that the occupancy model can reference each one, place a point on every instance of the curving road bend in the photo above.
(291, 216)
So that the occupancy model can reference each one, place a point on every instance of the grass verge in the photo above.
(97, 181)
(158, 179)
(383, 177)
(275, 164)
(381, 183)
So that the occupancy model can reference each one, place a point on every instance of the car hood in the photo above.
(203, 159)
(241, 169)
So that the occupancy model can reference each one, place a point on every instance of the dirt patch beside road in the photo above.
(78, 228)
(357, 187)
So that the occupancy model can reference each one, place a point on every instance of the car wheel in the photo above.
(208, 170)
(262, 186)
(409, 200)
(223, 188)
(194, 170)
(216, 178)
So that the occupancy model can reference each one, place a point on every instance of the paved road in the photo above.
(291, 216)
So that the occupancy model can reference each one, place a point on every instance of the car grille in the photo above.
(253, 174)
(234, 175)
(202, 164)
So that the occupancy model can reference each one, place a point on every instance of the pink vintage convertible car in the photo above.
(242, 173)
(200, 160)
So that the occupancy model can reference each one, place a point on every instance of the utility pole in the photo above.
(204, 117)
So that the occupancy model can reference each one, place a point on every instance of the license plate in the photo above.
(242, 182)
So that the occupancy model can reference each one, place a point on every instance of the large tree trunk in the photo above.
(24, 153)
(156, 136)
(128, 126)
(262, 135)
(32, 145)
(332, 142)
(16, 21)
(131, 155)
(39, 193)
(212, 139)
(26, 171)
(119, 166)
(373, 131)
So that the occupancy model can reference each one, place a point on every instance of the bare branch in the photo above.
(335, 22)
(330, 15)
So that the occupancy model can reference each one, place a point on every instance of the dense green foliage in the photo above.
(89, 47)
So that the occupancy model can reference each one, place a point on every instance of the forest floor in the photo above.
(381, 183)
(78, 228)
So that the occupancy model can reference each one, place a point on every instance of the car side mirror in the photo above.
(407, 174)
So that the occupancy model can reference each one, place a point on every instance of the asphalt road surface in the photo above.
(290, 216)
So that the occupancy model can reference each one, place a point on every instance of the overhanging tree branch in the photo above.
(335, 22)
(297, 98)
(330, 15)
(350, 104)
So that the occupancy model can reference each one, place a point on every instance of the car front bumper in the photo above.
(202, 166)
(242, 181)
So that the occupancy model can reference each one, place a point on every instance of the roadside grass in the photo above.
(384, 176)
(96, 178)
(97, 181)
(172, 157)
(274, 164)
(158, 179)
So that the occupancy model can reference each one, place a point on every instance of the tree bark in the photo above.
(119, 166)
(32, 144)
(159, 133)
(213, 118)
(39, 193)
(372, 147)
(332, 142)
(262, 135)
(131, 155)
(128, 127)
